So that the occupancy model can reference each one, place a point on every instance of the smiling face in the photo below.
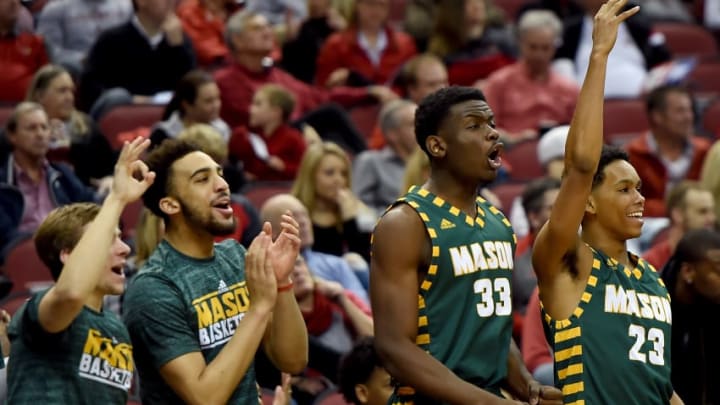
(617, 203)
(468, 144)
(200, 194)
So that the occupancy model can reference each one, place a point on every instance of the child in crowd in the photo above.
(270, 149)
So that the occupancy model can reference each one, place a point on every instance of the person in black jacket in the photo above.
(692, 277)
(138, 61)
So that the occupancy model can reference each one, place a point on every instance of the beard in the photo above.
(207, 223)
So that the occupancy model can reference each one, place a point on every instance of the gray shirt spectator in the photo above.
(378, 175)
(70, 27)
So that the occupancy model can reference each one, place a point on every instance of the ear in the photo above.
(591, 205)
(361, 392)
(64, 254)
(169, 205)
(436, 146)
(687, 273)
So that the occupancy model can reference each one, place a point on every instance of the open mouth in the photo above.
(223, 206)
(636, 215)
(119, 270)
(495, 156)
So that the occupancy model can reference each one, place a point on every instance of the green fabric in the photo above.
(615, 348)
(464, 303)
(89, 363)
(177, 305)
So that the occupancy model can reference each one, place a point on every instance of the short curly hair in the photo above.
(433, 110)
(159, 161)
(608, 155)
(356, 368)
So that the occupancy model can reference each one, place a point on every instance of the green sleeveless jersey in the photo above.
(615, 347)
(464, 303)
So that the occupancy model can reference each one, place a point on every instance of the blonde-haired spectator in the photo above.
(341, 222)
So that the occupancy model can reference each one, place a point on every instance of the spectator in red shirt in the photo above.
(272, 149)
(527, 95)
(670, 152)
(204, 22)
(690, 206)
(250, 39)
(368, 52)
(21, 54)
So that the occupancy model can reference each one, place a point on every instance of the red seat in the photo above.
(259, 192)
(365, 118)
(128, 118)
(704, 79)
(624, 119)
(688, 39)
(507, 192)
(523, 161)
(711, 119)
(24, 267)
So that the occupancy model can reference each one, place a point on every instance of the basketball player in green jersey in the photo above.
(441, 266)
(607, 312)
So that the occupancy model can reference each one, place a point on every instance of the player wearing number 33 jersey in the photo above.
(464, 303)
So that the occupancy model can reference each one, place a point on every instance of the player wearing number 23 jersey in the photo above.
(629, 307)
(607, 313)
(464, 302)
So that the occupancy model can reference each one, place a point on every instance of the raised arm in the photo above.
(582, 150)
(400, 244)
(84, 266)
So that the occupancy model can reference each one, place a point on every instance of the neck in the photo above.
(150, 26)
(325, 206)
(251, 62)
(269, 128)
(216, 8)
(195, 243)
(402, 153)
(668, 145)
(371, 33)
(187, 121)
(684, 293)
(475, 31)
(459, 194)
(30, 164)
(95, 301)
(537, 75)
(611, 247)
(674, 235)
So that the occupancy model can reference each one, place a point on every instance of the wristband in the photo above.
(286, 287)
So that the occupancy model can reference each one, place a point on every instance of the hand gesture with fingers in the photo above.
(285, 249)
(259, 273)
(132, 176)
(607, 21)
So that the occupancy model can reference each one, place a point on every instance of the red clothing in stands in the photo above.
(238, 84)
(342, 50)
(534, 348)
(467, 72)
(206, 31)
(286, 143)
(658, 254)
(652, 171)
(524, 244)
(521, 103)
(21, 55)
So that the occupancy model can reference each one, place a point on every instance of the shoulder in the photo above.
(400, 218)
(366, 157)
(230, 249)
